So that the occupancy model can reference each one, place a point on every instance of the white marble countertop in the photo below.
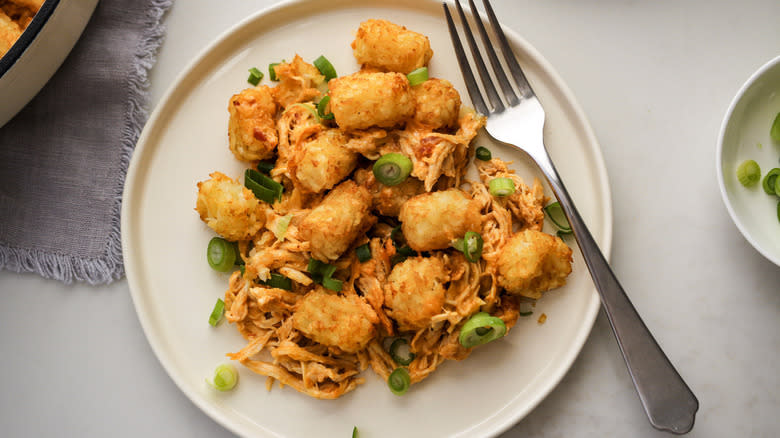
(654, 78)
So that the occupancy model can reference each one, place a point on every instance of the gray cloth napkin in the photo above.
(64, 157)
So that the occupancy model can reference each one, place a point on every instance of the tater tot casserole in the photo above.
(355, 240)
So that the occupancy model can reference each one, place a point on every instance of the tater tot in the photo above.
(229, 208)
(9, 32)
(298, 82)
(433, 220)
(532, 262)
(323, 162)
(341, 217)
(387, 46)
(363, 100)
(437, 104)
(389, 199)
(415, 292)
(346, 322)
(251, 128)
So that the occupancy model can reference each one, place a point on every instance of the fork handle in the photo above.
(668, 401)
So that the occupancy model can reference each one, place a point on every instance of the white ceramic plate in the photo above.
(174, 289)
(744, 135)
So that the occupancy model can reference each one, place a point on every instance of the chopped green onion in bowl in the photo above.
(768, 183)
(748, 173)
(774, 132)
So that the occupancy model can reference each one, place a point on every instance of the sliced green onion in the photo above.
(272, 72)
(332, 284)
(281, 226)
(363, 253)
(501, 186)
(325, 67)
(278, 281)
(397, 236)
(470, 245)
(266, 166)
(777, 186)
(263, 186)
(239, 260)
(399, 351)
(778, 211)
(354, 432)
(225, 377)
(562, 233)
(399, 381)
(220, 254)
(406, 251)
(322, 272)
(397, 258)
(255, 76)
(480, 329)
(555, 213)
(525, 309)
(769, 181)
(748, 173)
(322, 105)
(484, 154)
(392, 169)
(216, 313)
(774, 132)
(418, 76)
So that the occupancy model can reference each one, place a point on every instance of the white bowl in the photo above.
(744, 135)
(39, 51)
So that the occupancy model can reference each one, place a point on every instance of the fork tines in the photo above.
(510, 95)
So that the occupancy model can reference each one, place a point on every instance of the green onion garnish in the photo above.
(225, 377)
(501, 186)
(399, 381)
(748, 173)
(392, 169)
(272, 72)
(483, 154)
(322, 105)
(555, 213)
(332, 284)
(363, 253)
(525, 309)
(216, 313)
(778, 211)
(769, 181)
(281, 226)
(221, 254)
(278, 281)
(418, 76)
(266, 166)
(480, 329)
(354, 432)
(255, 76)
(396, 259)
(263, 186)
(325, 67)
(470, 245)
(322, 273)
(399, 351)
(774, 132)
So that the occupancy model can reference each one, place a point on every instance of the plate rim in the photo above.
(158, 114)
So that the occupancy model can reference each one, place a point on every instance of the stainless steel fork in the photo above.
(518, 121)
